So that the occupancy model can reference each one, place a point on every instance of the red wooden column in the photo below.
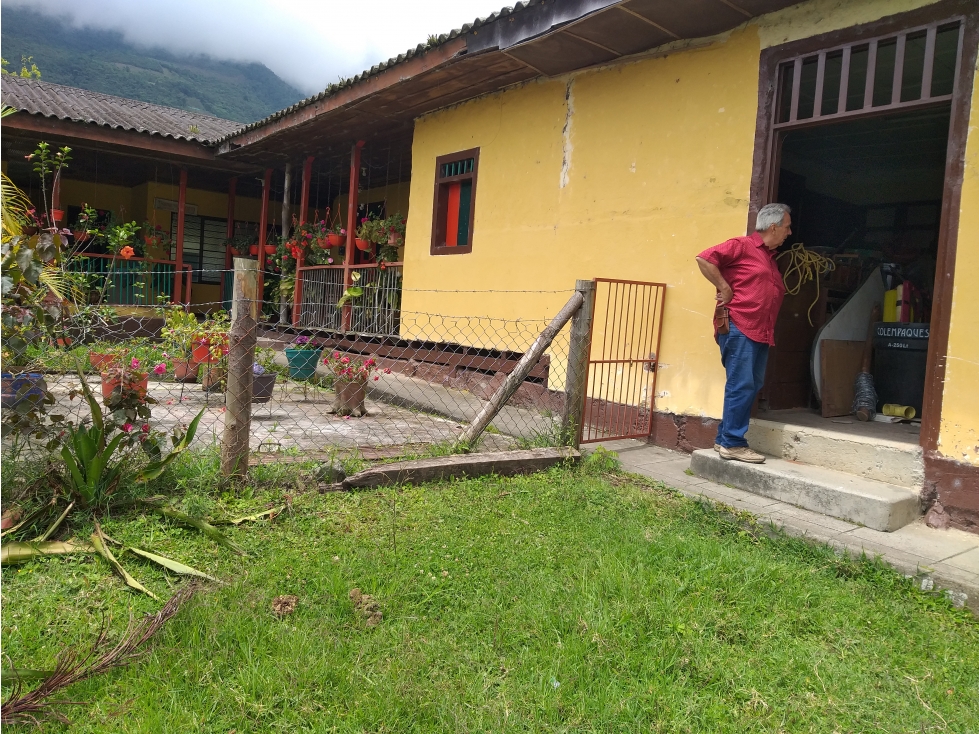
(297, 291)
(179, 241)
(348, 260)
(230, 231)
(263, 224)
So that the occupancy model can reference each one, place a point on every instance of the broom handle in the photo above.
(868, 348)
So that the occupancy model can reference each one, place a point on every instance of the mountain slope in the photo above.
(102, 61)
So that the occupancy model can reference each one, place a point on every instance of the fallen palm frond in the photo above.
(18, 552)
(270, 514)
(209, 530)
(98, 540)
(169, 563)
(55, 525)
(72, 666)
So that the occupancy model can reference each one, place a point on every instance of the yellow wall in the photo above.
(959, 436)
(625, 172)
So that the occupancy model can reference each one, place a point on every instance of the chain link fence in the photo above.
(408, 386)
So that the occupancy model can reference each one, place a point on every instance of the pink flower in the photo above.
(134, 364)
(145, 428)
(376, 378)
(345, 360)
(160, 369)
(329, 261)
(343, 232)
(387, 371)
(346, 417)
(166, 356)
(127, 427)
(336, 355)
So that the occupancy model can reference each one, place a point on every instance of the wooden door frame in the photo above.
(763, 175)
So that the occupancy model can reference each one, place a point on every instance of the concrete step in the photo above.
(877, 505)
(872, 457)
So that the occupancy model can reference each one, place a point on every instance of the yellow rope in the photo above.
(804, 266)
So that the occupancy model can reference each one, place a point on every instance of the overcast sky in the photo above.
(310, 44)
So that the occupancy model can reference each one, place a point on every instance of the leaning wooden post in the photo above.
(575, 388)
(241, 357)
(520, 372)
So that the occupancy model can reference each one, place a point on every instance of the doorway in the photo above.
(866, 197)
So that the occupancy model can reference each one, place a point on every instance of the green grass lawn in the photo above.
(564, 601)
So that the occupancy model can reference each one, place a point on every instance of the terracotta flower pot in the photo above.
(101, 360)
(185, 370)
(394, 239)
(350, 395)
(201, 350)
(110, 383)
(58, 215)
(253, 250)
(363, 245)
(213, 378)
(270, 249)
(81, 235)
(336, 240)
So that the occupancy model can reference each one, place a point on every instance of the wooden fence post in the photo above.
(520, 372)
(575, 389)
(241, 357)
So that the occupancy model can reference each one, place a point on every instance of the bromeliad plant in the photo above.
(98, 457)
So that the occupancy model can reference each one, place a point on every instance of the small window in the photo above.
(455, 198)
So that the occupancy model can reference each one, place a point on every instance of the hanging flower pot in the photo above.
(58, 215)
(111, 381)
(81, 235)
(336, 240)
(350, 395)
(302, 362)
(253, 250)
(363, 245)
(394, 239)
(23, 386)
(270, 249)
(185, 370)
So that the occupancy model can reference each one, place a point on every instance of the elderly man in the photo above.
(749, 295)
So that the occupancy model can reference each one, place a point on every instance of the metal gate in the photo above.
(620, 385)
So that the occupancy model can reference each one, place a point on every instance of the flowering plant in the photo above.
(155, 236)
(121, 240)
(305, 343)
(264, 361)
(359, 371)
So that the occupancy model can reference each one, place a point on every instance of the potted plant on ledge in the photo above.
(303, 354)
(178, 335)
(350, 377)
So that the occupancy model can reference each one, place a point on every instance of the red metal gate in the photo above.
(620, 386)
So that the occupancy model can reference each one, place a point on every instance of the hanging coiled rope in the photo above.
(804, 265)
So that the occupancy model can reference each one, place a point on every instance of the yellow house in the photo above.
(615, 139)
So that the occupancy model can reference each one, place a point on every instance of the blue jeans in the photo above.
(744, 362)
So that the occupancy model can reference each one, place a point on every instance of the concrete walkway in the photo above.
(946, 559)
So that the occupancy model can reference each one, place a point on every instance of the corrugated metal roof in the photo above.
(384, 65)
(38, 97)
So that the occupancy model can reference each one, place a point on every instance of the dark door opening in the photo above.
(867, 194)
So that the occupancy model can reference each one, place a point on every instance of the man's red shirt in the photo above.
(750, 269)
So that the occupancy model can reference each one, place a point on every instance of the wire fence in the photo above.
(392, 383)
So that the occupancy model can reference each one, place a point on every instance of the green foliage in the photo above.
(99, 456)
(556, 602)
(601, 461)
(103, 62)
(28, 69)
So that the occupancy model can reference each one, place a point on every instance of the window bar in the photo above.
(958, 58)
(817, 105)
(844, 79)
(926, 72)
(898, 69)
(628, 347)
(796, 81)
(868, 90)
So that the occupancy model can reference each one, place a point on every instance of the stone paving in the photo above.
(297, 417)
(947, 559)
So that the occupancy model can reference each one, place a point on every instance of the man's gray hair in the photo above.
(771, 214)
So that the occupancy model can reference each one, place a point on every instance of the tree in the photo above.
(28, 69)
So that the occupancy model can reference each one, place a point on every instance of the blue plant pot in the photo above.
(302, 362)
(22, 386)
